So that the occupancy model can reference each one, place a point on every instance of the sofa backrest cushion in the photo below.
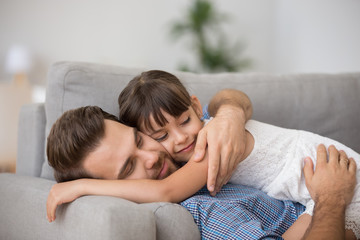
(327, 104)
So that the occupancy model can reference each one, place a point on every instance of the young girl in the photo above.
(158, 104)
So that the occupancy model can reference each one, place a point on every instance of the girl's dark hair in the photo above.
(72, 137)
(148, 94)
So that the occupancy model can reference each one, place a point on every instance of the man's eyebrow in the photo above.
(123, 168)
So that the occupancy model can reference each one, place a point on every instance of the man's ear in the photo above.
(195, 103)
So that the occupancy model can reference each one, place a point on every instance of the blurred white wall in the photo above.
(316, 36)
(280, 36)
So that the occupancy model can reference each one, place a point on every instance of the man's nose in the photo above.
(150, 158)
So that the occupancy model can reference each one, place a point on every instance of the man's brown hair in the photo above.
(72, 137)
(148, 94)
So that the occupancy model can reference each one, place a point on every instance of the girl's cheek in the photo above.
(197, 129)
(168, 147)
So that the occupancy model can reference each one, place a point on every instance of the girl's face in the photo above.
(179, 135)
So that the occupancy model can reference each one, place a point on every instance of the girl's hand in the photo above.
(225, 136)
(61, 193)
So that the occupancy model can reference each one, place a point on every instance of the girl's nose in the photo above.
(180, 137)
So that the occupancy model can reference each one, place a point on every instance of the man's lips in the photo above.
(188, 148)
(163, 170)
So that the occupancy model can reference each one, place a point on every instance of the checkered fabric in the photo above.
(241, 212)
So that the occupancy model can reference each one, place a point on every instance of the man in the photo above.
(118, 145)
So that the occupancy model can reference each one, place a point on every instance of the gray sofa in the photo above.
(328, 104)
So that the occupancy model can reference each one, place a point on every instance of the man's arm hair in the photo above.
(231, 97)
(328, 221)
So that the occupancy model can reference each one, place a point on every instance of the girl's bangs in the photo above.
(170, 102)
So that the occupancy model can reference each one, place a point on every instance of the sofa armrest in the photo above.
(23, 214)
(31, 137)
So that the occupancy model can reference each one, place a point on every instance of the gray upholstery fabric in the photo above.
(23, 214)
(328, 104)
(30, 154)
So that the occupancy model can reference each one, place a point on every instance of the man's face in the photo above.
(125, 153)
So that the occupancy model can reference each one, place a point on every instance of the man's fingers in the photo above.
(224, 167)
(343, 159)
(343, 154)
(211, 181)
(213, 168)
(333, 155)
(352, 166)
(308, 169)
(200, 146)
(321, 155)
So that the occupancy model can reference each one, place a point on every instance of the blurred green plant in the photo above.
(213, 51)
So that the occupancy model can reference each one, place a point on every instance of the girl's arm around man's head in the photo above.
(175, 188)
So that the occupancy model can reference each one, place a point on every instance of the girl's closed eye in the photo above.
(160, 137)
(187, 120)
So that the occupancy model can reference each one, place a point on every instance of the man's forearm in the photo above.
(328, 221)
(231, 97)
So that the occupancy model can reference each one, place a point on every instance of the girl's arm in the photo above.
(178, 186)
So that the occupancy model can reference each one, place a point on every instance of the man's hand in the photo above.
(332, 188)
(321, 184)
(225, 136)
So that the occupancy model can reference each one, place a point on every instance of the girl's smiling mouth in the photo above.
(189, 148)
